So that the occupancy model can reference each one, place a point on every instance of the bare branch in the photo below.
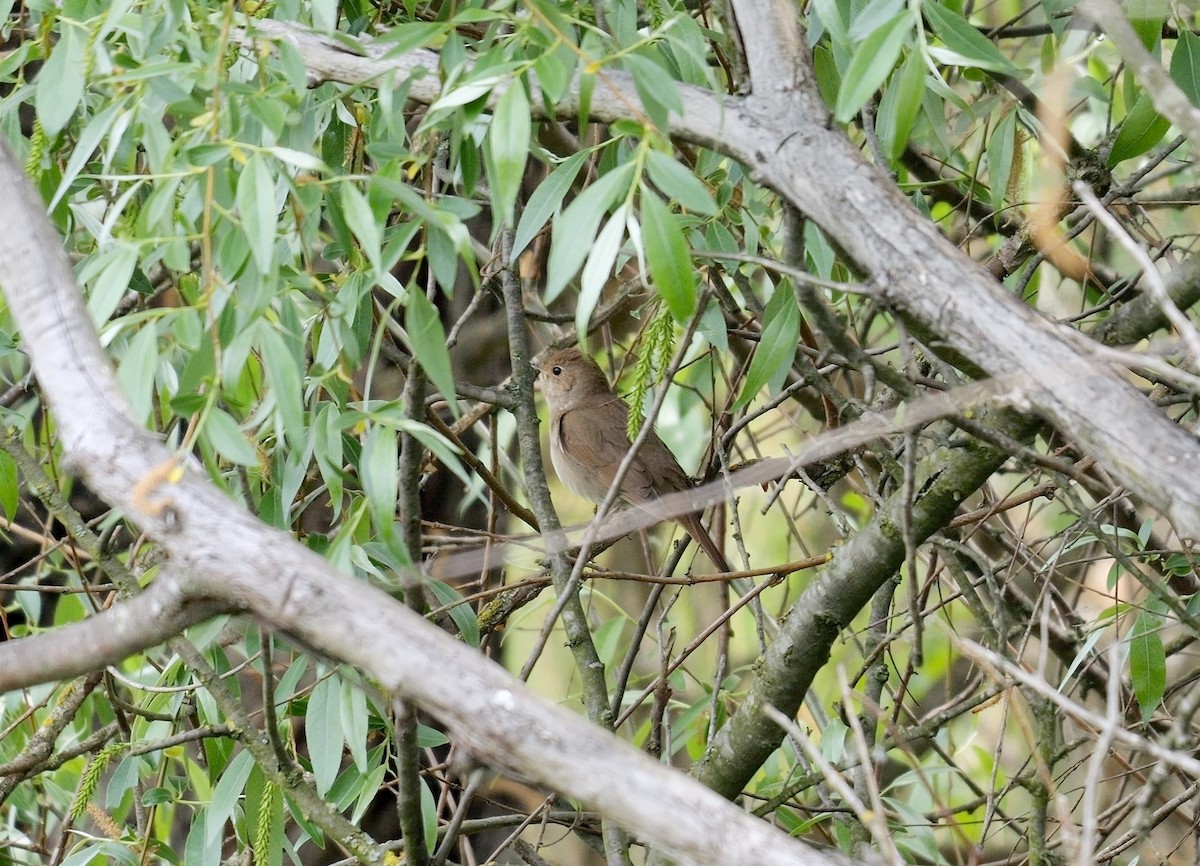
(169, 606)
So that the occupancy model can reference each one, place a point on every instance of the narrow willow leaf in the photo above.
(461, 614)
(429, 818)
(599, 267)
(508, 138)
(868, 19)
(60, 81)
(228, 439)
(112, 283)
(777, 347)
(362, 222)
(354, 722)
(137, 368)
(423, 325)
(1000, 151)
(284, 376)
(323, 729)
(1185, 65)
(10, 487)
(900, 105)
(377, 472)
(1141, 130)
(256, 204)
(679, 184)
(226, 794)
(668, 256)
(869, 67)
(89, 139)
(971, 46)
(545, 201)
(1147, 662)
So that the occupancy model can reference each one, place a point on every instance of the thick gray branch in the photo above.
(167, 607)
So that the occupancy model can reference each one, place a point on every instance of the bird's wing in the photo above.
(593, 445)
(655, 471)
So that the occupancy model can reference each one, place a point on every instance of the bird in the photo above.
(588, 441)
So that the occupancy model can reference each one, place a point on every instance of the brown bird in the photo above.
(588, 443)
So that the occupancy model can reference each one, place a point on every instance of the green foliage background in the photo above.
(260, 255)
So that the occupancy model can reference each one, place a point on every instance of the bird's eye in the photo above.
(556, 370)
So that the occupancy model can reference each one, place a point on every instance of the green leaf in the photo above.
(830, 14)
(659, 92)
(575, 228)
(427, 337)
(1142, 129)
(284, 376)
(403, 38)
(599, 268)
(869, 17)
(668, 257)
(256, 204)
(60, 81)
(554, 70)
(299, 159)
(971, 47)
(508, 138)
(1147, 662)
(1000, 151)
(869, 67)
(712, 328)
(137, 368)
(228, 439)
(10, 485)
(441, 447)
(226, 794)
(89, 139)
(443, 258)
(362, 222)
(198, 848)
(354, 722)
(323, 730)
(777, 346)
(368, 792)
(829, 79)
(1185, 65)
(429, 818)
(112, 282)
(679, 184)
(377, 472)
(545, 201)
(900, 105)
(461, 614)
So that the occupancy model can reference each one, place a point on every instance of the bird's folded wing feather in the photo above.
(654, 472)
